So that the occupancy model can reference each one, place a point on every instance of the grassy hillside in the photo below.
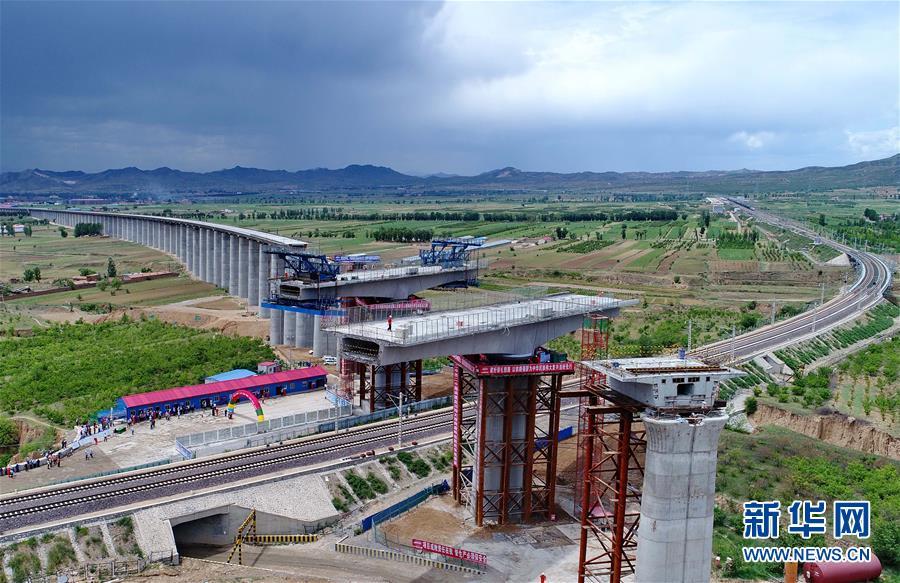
(67, 373)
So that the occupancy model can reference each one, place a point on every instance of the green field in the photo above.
(735, 254)
(68, 373)
(843, 213)
(142, 293)
(60, 257)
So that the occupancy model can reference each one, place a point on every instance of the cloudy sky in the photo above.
(458, 87)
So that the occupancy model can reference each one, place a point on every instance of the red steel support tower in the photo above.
(611, 446)
(505, 426)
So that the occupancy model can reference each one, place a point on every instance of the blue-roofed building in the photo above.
(231, 375)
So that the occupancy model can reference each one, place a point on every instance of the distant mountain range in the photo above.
(368, 178)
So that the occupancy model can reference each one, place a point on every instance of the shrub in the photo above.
(750, 405)
(60, 554)
(339, 504)
(346, 494)
(414, 464)
(24, 565)
(376, 483)
(886, 542)
(361, 487)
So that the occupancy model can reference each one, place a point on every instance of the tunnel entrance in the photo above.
(210, 534)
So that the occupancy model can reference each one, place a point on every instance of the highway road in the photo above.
(873, 278)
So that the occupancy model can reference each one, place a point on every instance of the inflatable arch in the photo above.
(251, 397)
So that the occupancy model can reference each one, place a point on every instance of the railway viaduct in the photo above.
(232, 258)
(240, 261)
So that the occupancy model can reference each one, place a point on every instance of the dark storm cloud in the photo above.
(434, 87)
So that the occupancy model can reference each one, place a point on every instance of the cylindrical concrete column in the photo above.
(217, 258)
(276, 327)
(234, 271)
(253, 274)
(201, 253)
(196, 250)
(189, 249)
(201, 260)
(324, 343)
(263, 285)
(305, 324)
(675, 532)
(226, 260)
(210, 255)
(290, 328)
(183, 242)
(244, 267)
(298, 329)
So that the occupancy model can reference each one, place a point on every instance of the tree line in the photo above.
(88, 229)
(339, 214)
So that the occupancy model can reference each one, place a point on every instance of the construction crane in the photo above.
(307, 267)
(450, 252)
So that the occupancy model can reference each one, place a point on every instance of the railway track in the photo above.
(868, 289)
(33, 507)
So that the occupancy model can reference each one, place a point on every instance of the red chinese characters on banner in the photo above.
(512, 369)
(473, 557)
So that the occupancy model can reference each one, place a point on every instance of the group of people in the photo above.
(153, 415)
(49, 460)
(94, 428)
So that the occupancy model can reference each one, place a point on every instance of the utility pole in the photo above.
(816, 311)
(400, 423)
(690, 330)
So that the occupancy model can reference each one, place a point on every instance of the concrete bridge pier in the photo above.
(197, 251)
(305, 335)
(210, 255)
(226, 262)
(234, 269)
(217, 258)
(183, 242)
(264, 269)
(324, 343)
(290, 328)
(243, 267)
(504, 459)
(276, 327)
(676, 528)
(253, 274)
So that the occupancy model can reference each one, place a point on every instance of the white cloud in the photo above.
(752, 140)
(875, 144)
(680, 66)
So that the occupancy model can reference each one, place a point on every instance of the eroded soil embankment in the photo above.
(834, 428)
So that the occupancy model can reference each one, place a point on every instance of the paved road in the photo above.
(873, 278)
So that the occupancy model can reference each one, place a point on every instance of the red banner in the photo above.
(472, 557)
(518, 369)
(457, 410)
